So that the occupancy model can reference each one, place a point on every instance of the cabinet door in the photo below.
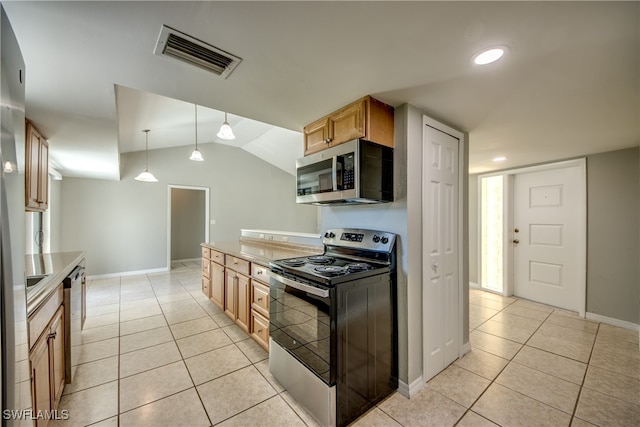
(32, 168)
(260, 329)
(244, 302)
(260, 298)
(57, 356)
(206, 267)
(316, 136)
(230, 291)
(217, 285)
(43, 175)
(40, 378)
(347, 123)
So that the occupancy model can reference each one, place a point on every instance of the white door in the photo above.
(550, 236)
(440, 251)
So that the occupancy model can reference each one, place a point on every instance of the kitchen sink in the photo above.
(32, 281)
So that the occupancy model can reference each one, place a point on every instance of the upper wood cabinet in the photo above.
(37, 171)
(365, 118)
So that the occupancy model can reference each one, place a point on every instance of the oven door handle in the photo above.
(324, 293)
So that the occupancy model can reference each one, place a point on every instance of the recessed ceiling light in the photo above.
(490, 55)
(499, 159)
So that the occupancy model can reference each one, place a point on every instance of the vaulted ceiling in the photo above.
(569, 84)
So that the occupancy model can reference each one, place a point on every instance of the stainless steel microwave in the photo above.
(358, 171)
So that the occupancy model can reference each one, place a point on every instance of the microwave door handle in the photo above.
(301, 286)
(334, 173)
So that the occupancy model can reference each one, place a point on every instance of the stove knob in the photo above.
(329, 235)
(326, 234)
(384, 240)
(332, 235)
(376, 238)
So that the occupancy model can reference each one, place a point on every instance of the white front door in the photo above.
(550, 236)
(440, 251)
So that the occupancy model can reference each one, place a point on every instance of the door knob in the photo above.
(516, 241)
(517, 230)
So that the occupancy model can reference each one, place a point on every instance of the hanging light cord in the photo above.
(196, 108)
(146, 149)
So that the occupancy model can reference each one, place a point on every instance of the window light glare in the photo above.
(499, 159)
(488, 56)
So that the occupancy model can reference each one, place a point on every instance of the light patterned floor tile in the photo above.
(542, 387)
(216, 363)
(201, 343)
(375, 418)
(227, 396)
(89, 406)
(485, 364)
(493, 344)
(148, 358)
(272, 412)
(506, 407)
(552, 364)
(441, 411)
(149, 386)
(603, 410)
(459, 385)
(180, 409)
(615, 385)
(192, 327)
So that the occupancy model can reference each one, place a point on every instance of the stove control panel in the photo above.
(361, 239)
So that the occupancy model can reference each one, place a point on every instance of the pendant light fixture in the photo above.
(196, 156)
(225, 131)
(146, 176)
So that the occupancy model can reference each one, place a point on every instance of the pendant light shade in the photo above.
(196, 156)
(225, 131)
(146, 176)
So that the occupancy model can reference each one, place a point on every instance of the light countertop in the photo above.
(52, 268)
(262, 252)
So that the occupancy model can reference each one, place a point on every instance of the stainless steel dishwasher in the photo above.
(74, 314)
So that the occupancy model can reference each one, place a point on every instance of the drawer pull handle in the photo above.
(259, 272)
(259, 331)
(52, 335)
(259, 298)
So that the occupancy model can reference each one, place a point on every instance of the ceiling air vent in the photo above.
(185, 48)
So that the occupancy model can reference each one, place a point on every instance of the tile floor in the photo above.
(156, 352)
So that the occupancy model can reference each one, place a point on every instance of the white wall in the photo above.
(122, 225)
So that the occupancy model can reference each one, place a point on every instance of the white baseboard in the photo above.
(187, 260)
(611, 321)
(128, 273)
(466, 348)
(409, 390)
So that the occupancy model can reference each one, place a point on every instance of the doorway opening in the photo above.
(492, 224)
(187, 223)
(532, 234)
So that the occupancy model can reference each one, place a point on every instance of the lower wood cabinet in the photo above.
(47, 360)
(217, 285)
(240, 288)
(260, 329)
(237, 304)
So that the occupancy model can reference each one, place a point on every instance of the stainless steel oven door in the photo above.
(302, 322)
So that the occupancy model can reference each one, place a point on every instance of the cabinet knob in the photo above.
(259, 298)
(52, 335)
(516, 241)
(328, 140)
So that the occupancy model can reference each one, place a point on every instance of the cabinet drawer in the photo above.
(260, 330)
(39, 320)
(206, 267)
(260, 272)
(217, 256)
(238, 264)
(206, 253)
(260, 298)
(206, 286)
